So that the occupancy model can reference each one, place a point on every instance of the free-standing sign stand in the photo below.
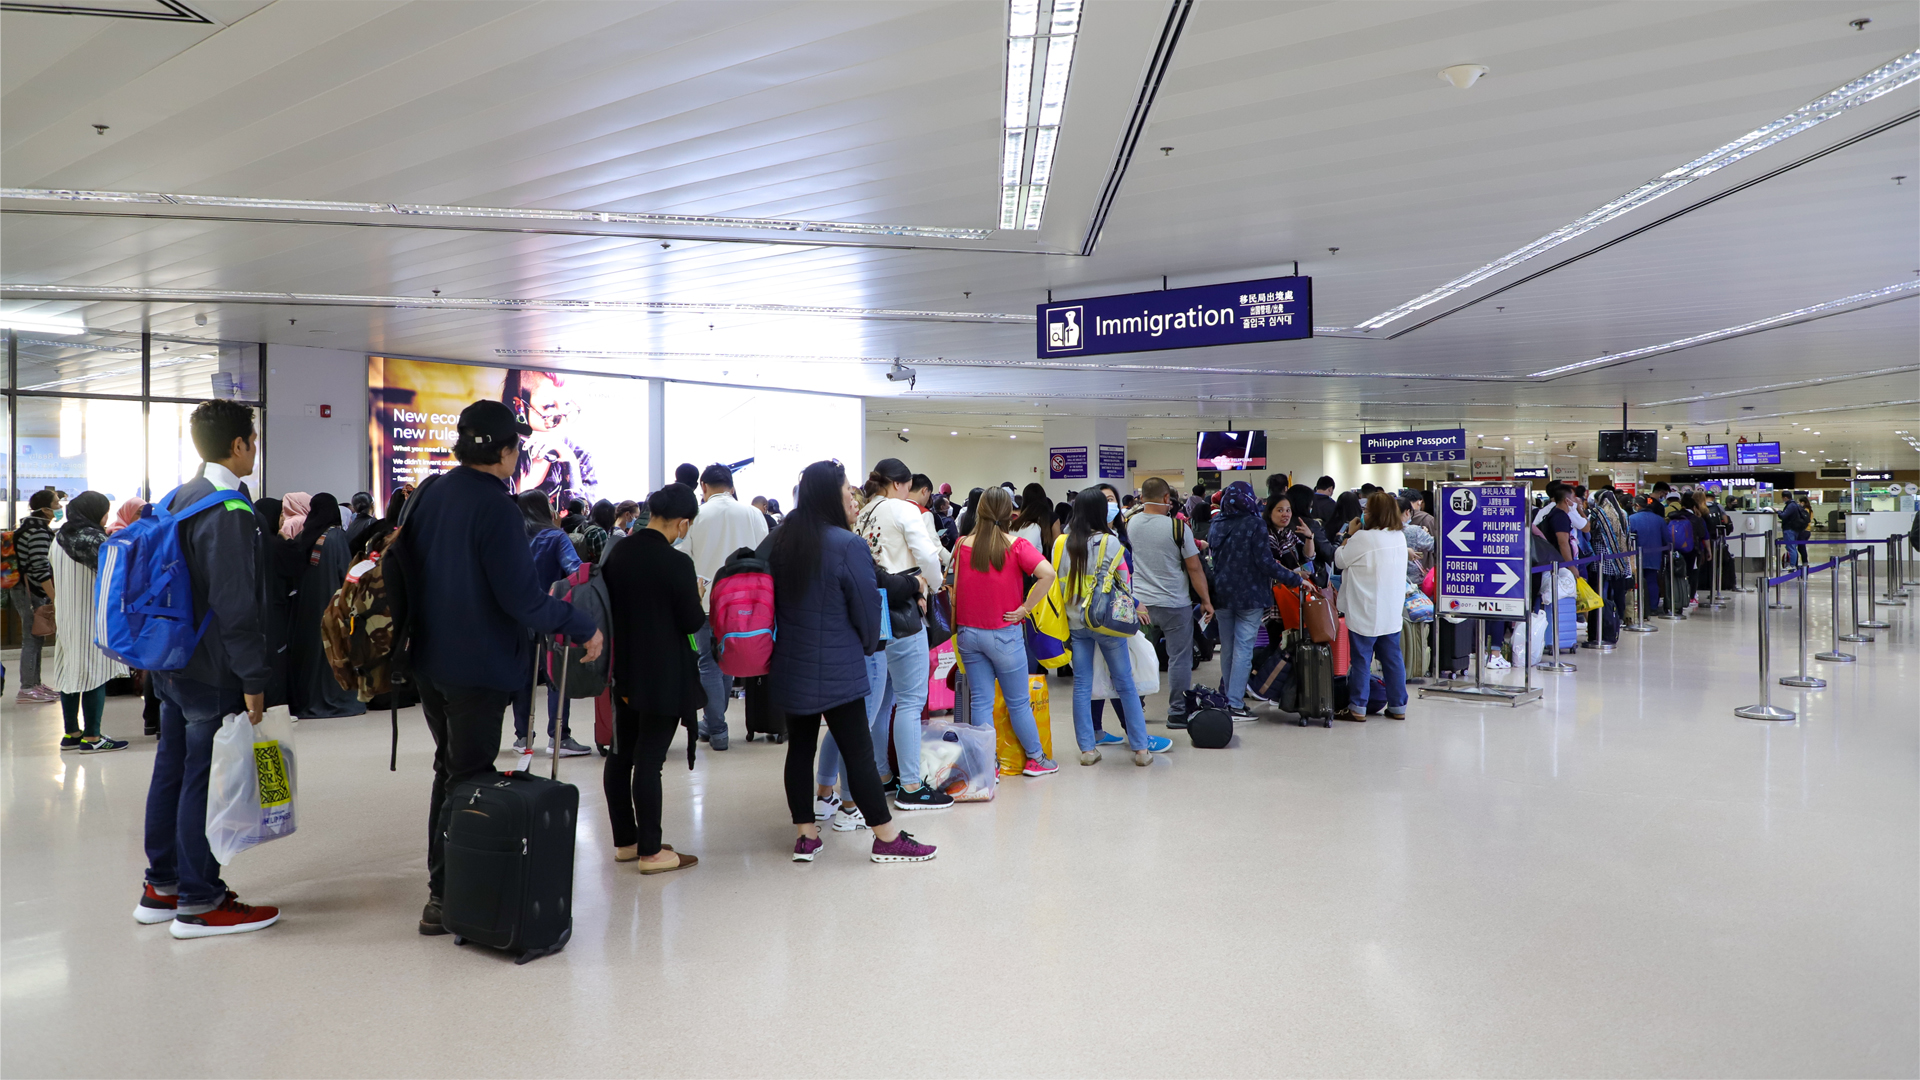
(1484, 566)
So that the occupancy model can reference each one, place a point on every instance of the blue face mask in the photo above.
(1113, 511)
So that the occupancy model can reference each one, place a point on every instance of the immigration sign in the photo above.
(1271, 309)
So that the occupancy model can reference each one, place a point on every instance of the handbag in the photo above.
(1584, 598)
(1316, 615)
(1419, 608)
(43, 621)
(1110, 606)
(939, 618)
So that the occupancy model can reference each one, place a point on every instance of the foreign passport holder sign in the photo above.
(1397, 447)
(1271, 309)
(1483, 550)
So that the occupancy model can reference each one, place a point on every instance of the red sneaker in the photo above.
(154, 907)
(231, 917)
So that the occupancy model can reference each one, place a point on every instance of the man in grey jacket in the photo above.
(227, 674)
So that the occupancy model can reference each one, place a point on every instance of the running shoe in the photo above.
(1158, 745)
(100, 744)
(922, 798)
(902, 848)
(1042, 767)
(231, 917)
(848, 818)
(823, 807)
(71, 742)
(1108, 738)
(805, 848)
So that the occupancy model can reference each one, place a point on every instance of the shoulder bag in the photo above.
(1111, 609)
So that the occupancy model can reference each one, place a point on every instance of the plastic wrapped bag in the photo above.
(959, 760)
(250, 790)
(1146, 669)
(1536, 636)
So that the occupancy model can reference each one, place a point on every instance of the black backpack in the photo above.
(1210, 729)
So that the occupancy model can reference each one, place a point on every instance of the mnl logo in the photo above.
(1065, 327)
(1453, 605)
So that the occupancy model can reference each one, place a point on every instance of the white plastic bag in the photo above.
(1563, 584)
(251, 789)
(1536, 635)
(959, 759)
(1146, 669)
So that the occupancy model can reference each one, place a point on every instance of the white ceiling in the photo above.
(1295, 127)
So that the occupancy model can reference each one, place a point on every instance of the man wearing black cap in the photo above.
(472, 595)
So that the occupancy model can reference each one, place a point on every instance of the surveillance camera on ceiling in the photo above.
(900, 372)
(901, 437)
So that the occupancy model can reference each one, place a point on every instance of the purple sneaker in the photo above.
(805, 848)
(902, 848)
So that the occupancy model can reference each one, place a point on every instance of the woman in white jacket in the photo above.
(1373, 592)
(891, 525)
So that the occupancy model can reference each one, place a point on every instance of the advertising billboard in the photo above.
(776, 432)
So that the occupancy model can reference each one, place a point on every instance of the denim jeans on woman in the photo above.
(999, 656)
(1238, 628)
(1393, 672)
(1119, 671)
(904, 665)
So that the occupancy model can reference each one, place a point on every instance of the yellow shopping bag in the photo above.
(1584, 598)
(1013, 756)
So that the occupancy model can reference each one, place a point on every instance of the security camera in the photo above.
(900, 372)
(1669, 427)
(901, 437)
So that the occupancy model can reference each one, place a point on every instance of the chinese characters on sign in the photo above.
(1271, 309)
(1483, 550)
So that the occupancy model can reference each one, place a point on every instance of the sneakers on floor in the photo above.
(1089, 757)
(99, 745)
(1158, 745)
(717, 742)
(823, 808)
(1177, 721)
(1241, 714)
(805, 848)
(1040, 767)
(1108, 738)
(571, 748)
(231, 917)
(1257, 695)
(922, 798)
(1142, 758)
(154, 907)
(71, 742)
(520, 745)
(848, 818)
(33, 695)
(1497, 662)
(902, 848)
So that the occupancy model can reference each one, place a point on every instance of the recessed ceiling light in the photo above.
(1013, 436)
(953, 433)
(1881, 80)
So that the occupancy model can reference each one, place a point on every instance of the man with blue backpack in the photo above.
(210, 528)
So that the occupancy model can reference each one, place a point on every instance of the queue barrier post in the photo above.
(1639, 625)
(1776, 562)
(1739, 571)
(1905, 569)
(1803, 680)
(1713, 586)
(1553, 626)
(1833, 655)
(1892, 598)
(1766, 709)
(1674, 608)
(1874, 622)
(1853, 598)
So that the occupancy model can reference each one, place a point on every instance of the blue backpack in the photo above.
(143, 612)
(1680, 534)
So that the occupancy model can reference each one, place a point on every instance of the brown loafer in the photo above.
(631, 852)
(684, 862)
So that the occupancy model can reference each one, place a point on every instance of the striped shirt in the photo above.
(30, 543)
(78, 664)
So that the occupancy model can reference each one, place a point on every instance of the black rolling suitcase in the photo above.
(1314, 682)
(1456, 646)
(509, 847)
(762, 717)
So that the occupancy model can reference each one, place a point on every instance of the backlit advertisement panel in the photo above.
(777, 432)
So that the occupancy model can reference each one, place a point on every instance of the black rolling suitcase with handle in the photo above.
(1314, 682)
(509, 852)
(762, 717)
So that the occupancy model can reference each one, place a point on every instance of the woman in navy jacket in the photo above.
(827, 611)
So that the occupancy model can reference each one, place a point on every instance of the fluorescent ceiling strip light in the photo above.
(217, 296)
(1878, 296)
(1773, 387)
(1187, 369)
(1880, 81)
(81, 345)
(619, 217)
(46, 324)
(1031, 121)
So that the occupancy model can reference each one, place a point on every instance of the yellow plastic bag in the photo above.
(1584, 598)
(1013, 756)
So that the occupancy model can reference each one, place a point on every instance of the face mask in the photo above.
(1113, 511)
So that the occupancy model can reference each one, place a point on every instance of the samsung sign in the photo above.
(1272, 309)
(1396, 447)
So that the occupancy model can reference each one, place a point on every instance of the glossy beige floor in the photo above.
(1623, 879)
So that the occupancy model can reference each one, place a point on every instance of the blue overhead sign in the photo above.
(1271, 309)
(1395, 447)
(1483, 550)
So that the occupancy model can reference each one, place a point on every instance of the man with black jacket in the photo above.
(227, 674)
(1325, 507)
(471, 597)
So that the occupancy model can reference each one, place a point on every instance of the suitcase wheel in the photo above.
(777, 738)
(458, 940)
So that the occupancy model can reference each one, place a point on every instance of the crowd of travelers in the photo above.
(865, 577)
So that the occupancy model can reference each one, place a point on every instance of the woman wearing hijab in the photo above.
(293, 513)
(280, 574)
(312, 691)
(128, 513)
(1244, 571)
(80, 669)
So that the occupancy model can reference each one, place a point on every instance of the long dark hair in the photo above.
(1035, 509)
(1089, 520)
(537, 511)
(819, 505)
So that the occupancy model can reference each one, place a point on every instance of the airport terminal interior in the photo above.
(1605, 312)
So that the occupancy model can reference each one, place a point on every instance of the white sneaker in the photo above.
(848, 818)
(1497, 662)
(823, 808)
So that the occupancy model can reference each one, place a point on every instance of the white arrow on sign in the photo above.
(1460, 536)
(1504, 574)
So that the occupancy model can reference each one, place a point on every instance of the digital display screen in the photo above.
(1709, 454)
(778, 432)
(1232, 450)
(1629, 446)
(1756, 453)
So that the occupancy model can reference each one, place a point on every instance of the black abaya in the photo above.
(312, 690)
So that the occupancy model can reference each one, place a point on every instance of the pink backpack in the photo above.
(741, 609)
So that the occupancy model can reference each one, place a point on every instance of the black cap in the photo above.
(490, 423)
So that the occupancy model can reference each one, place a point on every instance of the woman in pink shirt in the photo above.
(990, 567)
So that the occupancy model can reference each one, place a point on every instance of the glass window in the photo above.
(80, 363)
(172, 458)
(74, 445)
(199, 370)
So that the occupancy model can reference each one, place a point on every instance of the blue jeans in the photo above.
(1238, 628)
(1119, 671)
(901, 671)
(718, 684)
(177, 851)
(999, 655)
(1393, 671)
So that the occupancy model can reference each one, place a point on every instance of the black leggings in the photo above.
(94, 701)
(632, 776)
(848, 725)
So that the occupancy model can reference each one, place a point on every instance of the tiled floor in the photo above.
(1621, 879)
